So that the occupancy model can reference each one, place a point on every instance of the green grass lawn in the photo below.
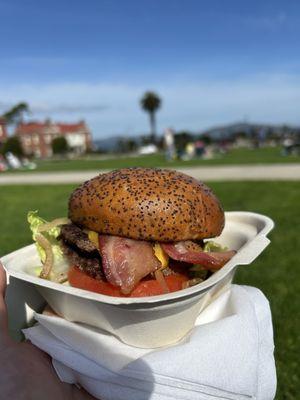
(236, 156)
(276, 272)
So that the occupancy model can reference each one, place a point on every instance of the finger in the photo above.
(2, 280)
(3, 310)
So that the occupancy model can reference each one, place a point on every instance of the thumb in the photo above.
(3, 310)
(2, 281)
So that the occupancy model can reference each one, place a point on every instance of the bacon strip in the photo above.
(192, 253)
(126, 261)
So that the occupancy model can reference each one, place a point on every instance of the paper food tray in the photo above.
(146, 321)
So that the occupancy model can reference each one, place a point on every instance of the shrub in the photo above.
(59, 145)
(13, 145)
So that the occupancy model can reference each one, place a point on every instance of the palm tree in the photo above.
(16, 113)
(150, 103)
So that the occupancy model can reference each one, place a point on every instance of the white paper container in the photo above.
(149, 321)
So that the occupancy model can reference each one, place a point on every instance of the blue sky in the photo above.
(212, 62)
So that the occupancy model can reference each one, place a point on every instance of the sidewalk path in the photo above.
(263, 172)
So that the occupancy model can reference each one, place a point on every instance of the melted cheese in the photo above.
(93, 236)
(161, 255)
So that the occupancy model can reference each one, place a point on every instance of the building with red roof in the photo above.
(36, 137)
(3, 132)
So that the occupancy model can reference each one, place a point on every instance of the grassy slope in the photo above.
(276, 272)
(237, 156)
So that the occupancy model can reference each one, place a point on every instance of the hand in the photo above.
(26, 372)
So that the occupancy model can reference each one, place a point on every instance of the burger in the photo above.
(134, 232)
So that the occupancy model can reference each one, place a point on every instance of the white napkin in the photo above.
(228, 355)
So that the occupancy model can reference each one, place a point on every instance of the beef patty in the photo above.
(75, 236)
(80, 250)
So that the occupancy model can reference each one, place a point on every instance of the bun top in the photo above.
(147, 204)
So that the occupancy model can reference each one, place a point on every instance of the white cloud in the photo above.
(113, 108)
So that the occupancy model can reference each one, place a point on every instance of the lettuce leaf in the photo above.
(60, 264)
(213, 246)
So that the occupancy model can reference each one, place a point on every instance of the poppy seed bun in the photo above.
(147, 204)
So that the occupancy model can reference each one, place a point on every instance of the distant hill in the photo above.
(218, 132)
(108, 144)
(247, 128)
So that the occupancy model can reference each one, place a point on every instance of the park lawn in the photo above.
(276, 272)
(236, 156)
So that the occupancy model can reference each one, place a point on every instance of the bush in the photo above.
(12, 145)
(59, 145)
(182, 139)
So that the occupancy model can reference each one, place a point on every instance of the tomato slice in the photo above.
(81, 280)
(151, 287)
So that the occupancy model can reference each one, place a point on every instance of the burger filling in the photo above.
(80, 250)
(122, 263)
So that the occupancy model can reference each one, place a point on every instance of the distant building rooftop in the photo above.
(36, 137)
(25, 128)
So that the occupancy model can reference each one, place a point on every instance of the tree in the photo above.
(182, 139)
(15, 114)
(131, 145)
(145, 140)
(12, 145)
(126, 145)
(206, 138)
(59, 145)
(150, 103)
